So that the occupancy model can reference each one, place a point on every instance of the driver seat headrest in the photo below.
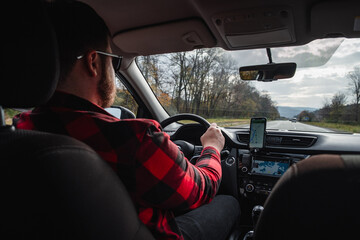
(30, 65)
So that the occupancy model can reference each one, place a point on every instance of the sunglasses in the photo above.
(116, 59)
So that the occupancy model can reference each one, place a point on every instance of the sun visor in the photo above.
(256, 28)
(177, 36)
(332, 19)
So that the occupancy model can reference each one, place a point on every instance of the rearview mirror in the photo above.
(268, 72)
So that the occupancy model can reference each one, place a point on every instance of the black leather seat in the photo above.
(52, 186)
(318, 198)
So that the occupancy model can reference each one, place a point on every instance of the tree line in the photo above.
(204, 82)
(343, 107)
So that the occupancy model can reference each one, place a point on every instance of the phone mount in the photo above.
(255, 150)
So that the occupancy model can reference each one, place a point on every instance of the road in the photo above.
(296, 126)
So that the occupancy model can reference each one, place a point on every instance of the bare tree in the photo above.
(149, 66)
(181, 68)
(201, 72)
(337, 106)
(323, 114)
(205, 82)
(189, 72)
(220, 82)
(354, 85)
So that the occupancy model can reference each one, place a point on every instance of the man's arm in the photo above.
(166, 179)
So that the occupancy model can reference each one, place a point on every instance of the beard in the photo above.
(106, 88)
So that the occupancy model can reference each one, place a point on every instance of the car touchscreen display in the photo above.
(270, 168)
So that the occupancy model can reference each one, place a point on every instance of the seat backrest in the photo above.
(52, 186)
(318, 198)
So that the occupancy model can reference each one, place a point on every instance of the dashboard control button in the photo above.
(249, 188)
(244, 169)
(230, 161)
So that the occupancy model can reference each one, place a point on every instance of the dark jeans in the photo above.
(211, 221)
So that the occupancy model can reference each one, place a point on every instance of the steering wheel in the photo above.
(190, 151)
(185, 116)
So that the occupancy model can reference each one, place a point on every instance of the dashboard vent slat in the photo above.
(295, 141)
(278, 140)
(244, 138)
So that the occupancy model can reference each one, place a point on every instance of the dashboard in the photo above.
(258, 171)
(252, 174)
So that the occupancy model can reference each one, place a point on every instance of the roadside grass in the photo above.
(223, 122)
(351, 128)
(229, 122)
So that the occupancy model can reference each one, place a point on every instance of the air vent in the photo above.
(243, 137)
(290, 141)
(282, 140)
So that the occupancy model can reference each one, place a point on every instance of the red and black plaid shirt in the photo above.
(159, 178)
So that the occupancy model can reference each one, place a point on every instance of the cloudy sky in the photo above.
(321, 72)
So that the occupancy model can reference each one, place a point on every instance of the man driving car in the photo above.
(160, 180)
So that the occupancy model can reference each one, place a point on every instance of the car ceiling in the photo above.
(144, 27)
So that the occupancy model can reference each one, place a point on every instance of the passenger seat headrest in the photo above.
(29, 67)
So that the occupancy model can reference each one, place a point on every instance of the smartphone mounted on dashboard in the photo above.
(257, 134)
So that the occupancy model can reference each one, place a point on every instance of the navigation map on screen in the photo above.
(257, 132)
(269, 167)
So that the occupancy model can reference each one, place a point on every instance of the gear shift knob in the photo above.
(256, 214)
(256, 211)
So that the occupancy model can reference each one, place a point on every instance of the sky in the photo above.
(321, 73)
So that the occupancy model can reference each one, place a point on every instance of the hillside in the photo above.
(290, 112)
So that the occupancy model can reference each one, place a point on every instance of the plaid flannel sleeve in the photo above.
(167, 180)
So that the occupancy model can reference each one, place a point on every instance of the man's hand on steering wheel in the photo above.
(213, 138)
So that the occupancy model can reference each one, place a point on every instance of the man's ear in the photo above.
(93, 63)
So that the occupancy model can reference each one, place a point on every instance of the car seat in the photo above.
(52, 186)
(316, 198)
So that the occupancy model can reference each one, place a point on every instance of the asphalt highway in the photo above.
(292, 126)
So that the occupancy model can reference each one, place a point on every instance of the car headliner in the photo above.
(163, 26)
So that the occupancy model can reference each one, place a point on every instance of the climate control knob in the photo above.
(249, 188)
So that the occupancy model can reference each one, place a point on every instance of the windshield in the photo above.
(323, 95)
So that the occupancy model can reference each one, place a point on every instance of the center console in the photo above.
(259, 171)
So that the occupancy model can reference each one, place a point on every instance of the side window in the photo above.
(124, 98)
(9, 114)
